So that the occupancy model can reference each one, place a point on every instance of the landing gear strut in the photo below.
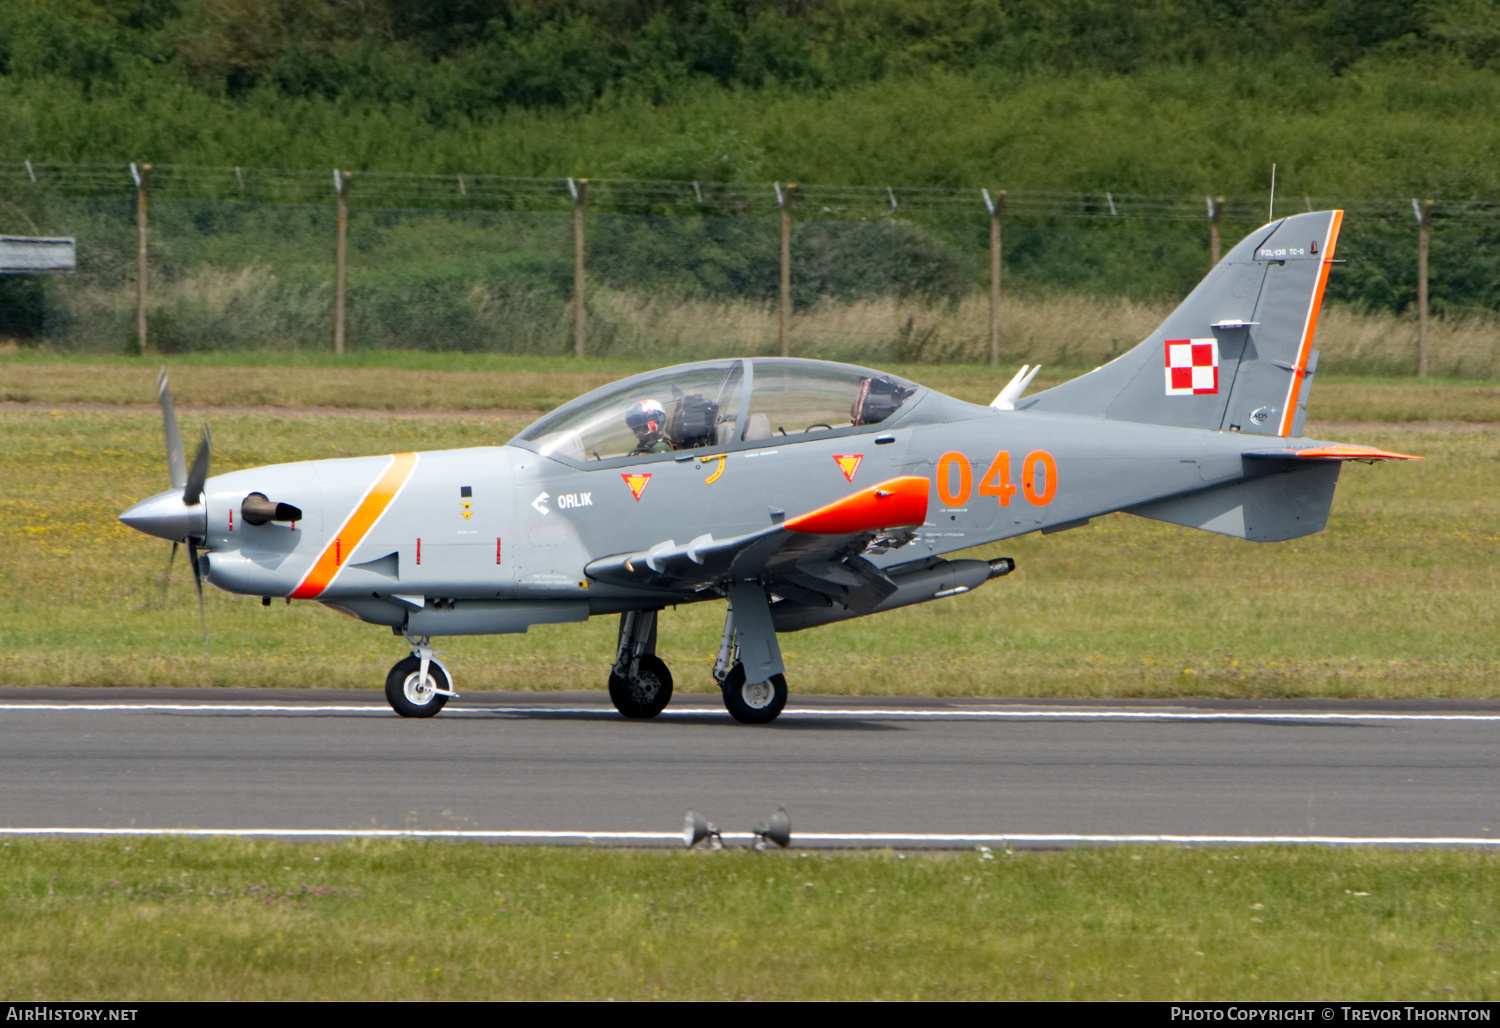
(639, 683)
(749, 667)
(418, 685)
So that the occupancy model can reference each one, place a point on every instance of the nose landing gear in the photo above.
(418, 685)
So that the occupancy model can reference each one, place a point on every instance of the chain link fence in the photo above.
(244, 258)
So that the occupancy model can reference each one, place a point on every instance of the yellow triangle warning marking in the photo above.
(637, 484)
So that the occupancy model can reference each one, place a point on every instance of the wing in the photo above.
(814, 558)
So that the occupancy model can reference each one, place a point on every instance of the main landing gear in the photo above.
(418, 685)
(639, 683)
(749, 667)
(753, 703)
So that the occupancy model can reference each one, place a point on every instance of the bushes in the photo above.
(235, 274)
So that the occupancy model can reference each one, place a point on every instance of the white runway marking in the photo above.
(853, 713)
(802, 840)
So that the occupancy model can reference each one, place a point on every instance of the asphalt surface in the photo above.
(875, 771)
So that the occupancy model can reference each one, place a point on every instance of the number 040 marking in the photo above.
(955, 480)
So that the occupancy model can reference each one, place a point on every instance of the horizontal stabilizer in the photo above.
(1338, 451)
(1283, 505)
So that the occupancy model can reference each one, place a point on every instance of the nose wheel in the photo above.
(753, 703)
(415, 691)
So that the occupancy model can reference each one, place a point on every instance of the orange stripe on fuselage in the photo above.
(341, 546)
(1304, 351)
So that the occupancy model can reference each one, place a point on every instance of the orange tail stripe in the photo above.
(896, 502)
(1294, 392)
(349, 535)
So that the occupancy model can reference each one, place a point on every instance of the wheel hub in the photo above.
(419, 689)
(643, 689)
(757, 695)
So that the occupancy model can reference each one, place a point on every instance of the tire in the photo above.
(754, 703)
(646, 696)
(407, 696)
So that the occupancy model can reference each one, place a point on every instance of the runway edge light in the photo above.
(777, 828)
(695, 829)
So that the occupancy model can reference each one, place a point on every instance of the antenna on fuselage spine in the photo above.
(1008, 396)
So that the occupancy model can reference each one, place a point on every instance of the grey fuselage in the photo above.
(822, 490)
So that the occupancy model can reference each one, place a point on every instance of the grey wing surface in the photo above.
(812, 558)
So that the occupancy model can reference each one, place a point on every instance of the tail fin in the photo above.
(1236, 355)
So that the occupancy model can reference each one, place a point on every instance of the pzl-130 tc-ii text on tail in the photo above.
(801, 492)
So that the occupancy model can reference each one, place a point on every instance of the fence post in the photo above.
(341, 186)
(579, 189)
(1215, 213)
(1424, 232)
(142, 176)
(994, 204)
(784, 201)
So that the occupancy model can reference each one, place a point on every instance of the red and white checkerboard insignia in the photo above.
(1192, 366)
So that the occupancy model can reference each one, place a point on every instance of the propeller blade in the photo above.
(198, 582)
(176, 455)
(191, 483)
(166, 577)
(193, 491)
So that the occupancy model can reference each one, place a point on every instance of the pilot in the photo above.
(877, 400)
(648, 420)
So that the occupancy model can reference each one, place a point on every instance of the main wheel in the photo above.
(647, 694)
(411, 695)
(753, 703)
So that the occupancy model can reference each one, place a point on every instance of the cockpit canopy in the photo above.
(724, 403)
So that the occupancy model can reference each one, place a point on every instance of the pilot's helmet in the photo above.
(646, 418)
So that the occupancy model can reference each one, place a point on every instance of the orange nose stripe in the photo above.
(354, 529)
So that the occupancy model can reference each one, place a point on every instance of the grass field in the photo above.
(158, 918)
(1398, 597)
(383, 382)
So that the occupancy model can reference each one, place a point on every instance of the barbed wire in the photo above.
(681, 197)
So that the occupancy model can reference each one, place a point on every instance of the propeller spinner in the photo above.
(177, 514)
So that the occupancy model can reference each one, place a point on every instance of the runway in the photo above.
(564, 768)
